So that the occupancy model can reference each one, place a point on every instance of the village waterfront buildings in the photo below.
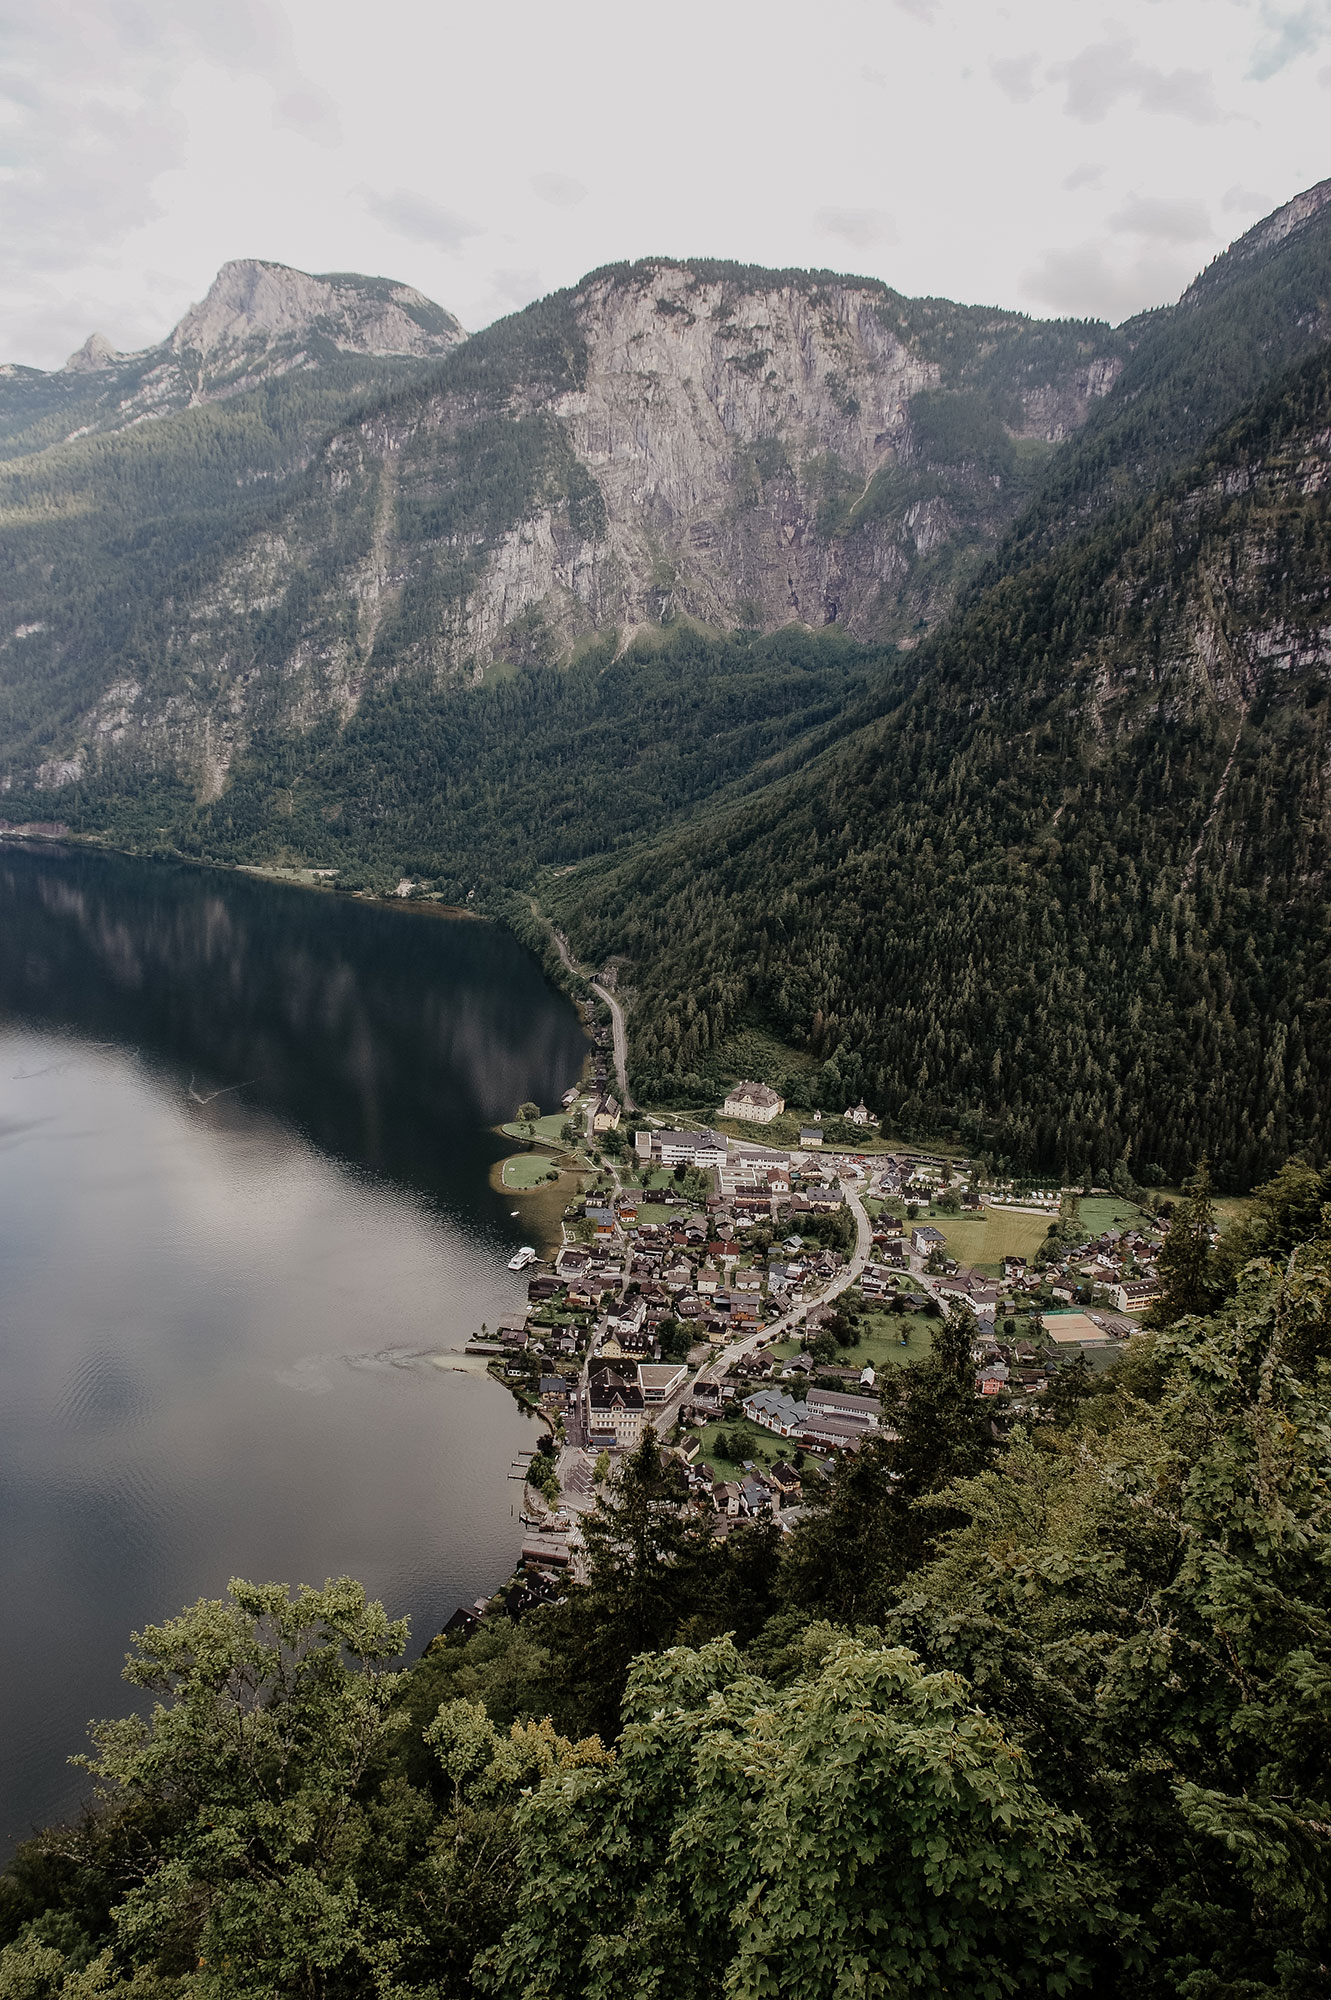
(690, 1253)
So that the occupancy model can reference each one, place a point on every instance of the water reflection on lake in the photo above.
(244, 1150)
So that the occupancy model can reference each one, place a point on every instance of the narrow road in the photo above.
(779, 1328)
(621, 1042)
(618, 1030)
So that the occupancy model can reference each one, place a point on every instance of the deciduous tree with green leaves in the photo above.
(255, 1846)
(861, 1830)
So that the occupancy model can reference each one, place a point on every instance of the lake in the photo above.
(245, 1218)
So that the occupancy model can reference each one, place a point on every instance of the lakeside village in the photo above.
(744, 1300)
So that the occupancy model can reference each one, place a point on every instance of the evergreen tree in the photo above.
(1186, 1264)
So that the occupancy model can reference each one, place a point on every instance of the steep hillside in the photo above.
(1051, 872)
(744, 447)
(126, 474)
(1190, 367)
(1069, 895)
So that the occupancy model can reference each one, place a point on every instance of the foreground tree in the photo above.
(874, 1519)
(861, 1830)
(250, 1857)
(655, 1577)
(1186, 1265)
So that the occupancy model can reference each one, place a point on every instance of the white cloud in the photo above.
(1015, 76)
(1101, 75)
(560, 190)
(516, 288)
(1081, 280)
(1166, 221)
(421, 220)
(860, 227)
(1246, 201)
(311, 113)
(1291, 32)
(144, 142)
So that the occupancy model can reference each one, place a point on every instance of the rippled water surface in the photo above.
(244, 1218)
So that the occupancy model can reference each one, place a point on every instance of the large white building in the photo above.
(754, 1103)
(614, 1410)
(691, 1149)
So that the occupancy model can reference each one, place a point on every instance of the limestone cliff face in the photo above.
(736, 440)
(742, 448)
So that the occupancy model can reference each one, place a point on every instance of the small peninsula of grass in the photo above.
(522, 1172)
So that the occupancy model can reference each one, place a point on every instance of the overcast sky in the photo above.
(1067, 158)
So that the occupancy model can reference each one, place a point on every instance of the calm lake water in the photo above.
(244, 1199)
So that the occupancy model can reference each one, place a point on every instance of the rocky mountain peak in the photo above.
(96, 352)
(251, 302)
(1265, 235)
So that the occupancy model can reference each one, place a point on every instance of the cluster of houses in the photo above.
(769, 1490)
(1016, 1370)
(628, 1293)
(826, 1419)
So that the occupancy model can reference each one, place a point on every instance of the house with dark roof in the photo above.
(615, 1409)
(754, 1103)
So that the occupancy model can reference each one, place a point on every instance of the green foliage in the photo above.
(918, 1854)
(875, 1519)
(542, 1475)
(1049, 1715)
(1186, 1263)
(655, 1577)
(1048, 901)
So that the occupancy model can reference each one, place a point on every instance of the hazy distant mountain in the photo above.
(257, 321)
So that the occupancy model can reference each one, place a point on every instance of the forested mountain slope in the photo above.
(746, 447)
(1069, 894)
(1190, 367)
(1051, 874)
(126, 473)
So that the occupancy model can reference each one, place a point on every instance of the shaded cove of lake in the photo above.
(245, 1219)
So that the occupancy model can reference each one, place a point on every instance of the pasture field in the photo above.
(985, 1240)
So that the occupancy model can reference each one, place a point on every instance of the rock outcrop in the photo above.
(258, 320)
(270, 306)
(740, 447)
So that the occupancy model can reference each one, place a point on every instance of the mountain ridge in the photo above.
(477, 636)
(257, 320)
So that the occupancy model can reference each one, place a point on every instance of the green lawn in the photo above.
(523, 1171)
(985, 1240)
(880, 1342)
(655, 1211)
(663, 1178)
(1228, 1207)
(764, 1447)
(1108, 1211)
(547, 1128)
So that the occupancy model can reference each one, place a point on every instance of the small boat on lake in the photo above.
(521, 1258)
